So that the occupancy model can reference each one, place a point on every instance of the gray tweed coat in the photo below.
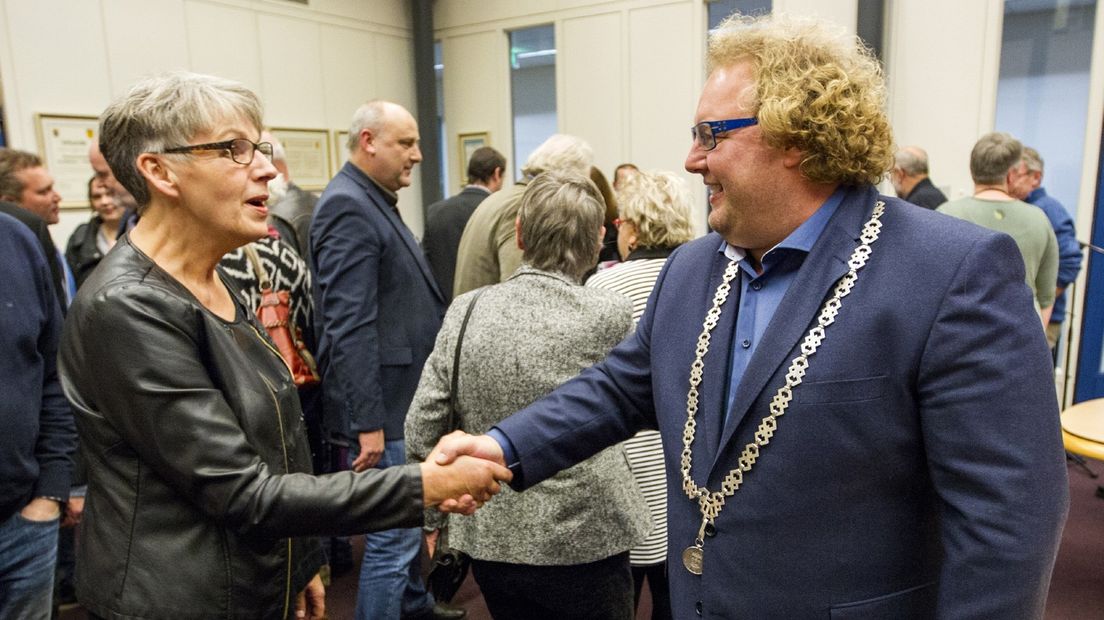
(526, 336)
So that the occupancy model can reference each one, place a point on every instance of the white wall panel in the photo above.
(291, 54)
(144, 38)
(942, 76)
(222, 41)
(348, 68)
(58, 63)
(476, 93)
(662, 89)
(590, 64)
(843, 12)
(394, 13)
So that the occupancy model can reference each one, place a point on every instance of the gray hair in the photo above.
(560, 153)
(1032, 159)
(369, 115)
(993, 156)
(165, 111)
(912, 161)
(658, 204)
(561, 215)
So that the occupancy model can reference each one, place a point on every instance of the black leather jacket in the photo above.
(81, 252)
(200, 493)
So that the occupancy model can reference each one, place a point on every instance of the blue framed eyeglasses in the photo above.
(705, 132)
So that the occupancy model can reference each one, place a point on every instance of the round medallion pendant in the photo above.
(692, 559)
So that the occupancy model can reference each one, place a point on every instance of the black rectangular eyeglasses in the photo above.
(240, 149)
(705, 132)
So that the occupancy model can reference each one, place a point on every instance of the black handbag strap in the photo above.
(454, 411)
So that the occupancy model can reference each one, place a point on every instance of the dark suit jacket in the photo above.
(926, 194)
(377, 308)
(918, 472)
(42, 232)
(445, 221)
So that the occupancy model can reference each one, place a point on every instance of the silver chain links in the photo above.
(711, 502)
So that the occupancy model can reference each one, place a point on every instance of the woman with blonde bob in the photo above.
(653, 220)
(200, 499)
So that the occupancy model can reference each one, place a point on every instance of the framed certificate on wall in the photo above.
(466, 144)
(63, 141)
(308, 155)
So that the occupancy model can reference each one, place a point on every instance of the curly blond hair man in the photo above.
(854, 395)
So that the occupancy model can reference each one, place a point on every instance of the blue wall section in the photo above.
(1090, 375)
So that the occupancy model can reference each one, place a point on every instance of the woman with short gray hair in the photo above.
(560, 549)
(201, 501)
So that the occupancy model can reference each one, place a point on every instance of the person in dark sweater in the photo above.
(910, 178)
(39, 436)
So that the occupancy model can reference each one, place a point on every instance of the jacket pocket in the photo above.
(398, 356)
(845, 391)
(915, 603)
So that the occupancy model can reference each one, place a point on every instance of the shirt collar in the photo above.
(804, 237)
(1035, 194)
(391, 197)
(477, 187)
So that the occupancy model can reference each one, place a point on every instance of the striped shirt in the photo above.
(635, 279)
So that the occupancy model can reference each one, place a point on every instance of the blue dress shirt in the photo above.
(760, 293)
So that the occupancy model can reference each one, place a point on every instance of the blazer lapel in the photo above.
(825, 264)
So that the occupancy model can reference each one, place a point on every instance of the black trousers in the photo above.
(601, 590)
(657, 585)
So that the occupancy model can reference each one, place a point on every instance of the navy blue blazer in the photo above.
(377, 308)
(919, 470)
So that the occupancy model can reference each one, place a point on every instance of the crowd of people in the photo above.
(808, 411)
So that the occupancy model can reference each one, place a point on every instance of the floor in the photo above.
(1076, 591)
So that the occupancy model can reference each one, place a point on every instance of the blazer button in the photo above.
(710, 530)
(698, 608)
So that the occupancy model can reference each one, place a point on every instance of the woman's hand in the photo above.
(311, 602)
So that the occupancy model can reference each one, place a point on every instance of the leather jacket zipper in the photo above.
(287, 465)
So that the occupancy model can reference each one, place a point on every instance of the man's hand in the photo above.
(311, 602)
(41, 509)
(74, 508)
(371, 450)
(463, 485)
(459, 443)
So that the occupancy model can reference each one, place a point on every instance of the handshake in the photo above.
(463, 472)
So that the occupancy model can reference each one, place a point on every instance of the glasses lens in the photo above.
(703, 136)
(241, 151)
(266, 148)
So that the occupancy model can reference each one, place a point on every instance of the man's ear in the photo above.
(158, 174)
(517, 233)
(792, 157)
(367, 141)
